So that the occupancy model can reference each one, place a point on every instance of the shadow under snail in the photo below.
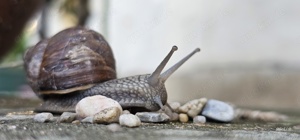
(78, 62)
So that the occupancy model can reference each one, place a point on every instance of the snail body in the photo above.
(77, 63)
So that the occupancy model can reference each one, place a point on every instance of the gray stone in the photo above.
(199, 119)
(89, 119)
(152, 117)
(43, 117)
(67, 117)
(169, 111)
(218, 111)
(129, 120)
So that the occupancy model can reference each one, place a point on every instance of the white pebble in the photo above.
(108, 115)
(43, 117)
(129, 120)
(92, 105)
(199, 119)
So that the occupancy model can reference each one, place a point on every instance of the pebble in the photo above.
(43, 117)
(175, 106)
(218, 111)
(193, 108)
(108, 115)
(174, 117)
(256, 115)
(167, 110)
(76, 122)
(183, 118)
(92, 105)
(126, 112)
(67, 117)
(152, 117)
(11, 127)
(129, 120)
(89, 119)
(114, 127)
(199, 119)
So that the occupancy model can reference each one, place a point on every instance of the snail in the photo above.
(78, 62)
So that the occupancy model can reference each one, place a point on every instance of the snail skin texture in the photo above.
(78, 62)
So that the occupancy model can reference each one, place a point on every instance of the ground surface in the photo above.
(17, 123)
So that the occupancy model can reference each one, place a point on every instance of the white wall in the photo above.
(227, 32)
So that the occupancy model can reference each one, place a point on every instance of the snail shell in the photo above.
(73, 59)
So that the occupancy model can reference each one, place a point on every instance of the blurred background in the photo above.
(249, 49)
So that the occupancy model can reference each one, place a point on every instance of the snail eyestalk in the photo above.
(158, 101)
(153, 79)
(164, 76)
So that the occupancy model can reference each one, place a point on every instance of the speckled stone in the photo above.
(193, 108)
(43, 117)
(175, 106)
(129, 120)
(153, 117)
(218, 111)
(108, 115)
(67, 117)
(199, 119)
